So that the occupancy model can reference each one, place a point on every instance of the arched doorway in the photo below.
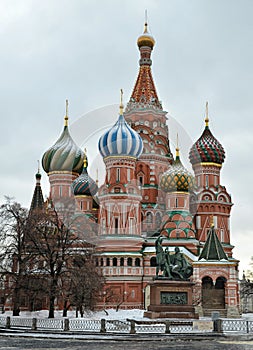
(213, 294)
(207, 288)
(220, 292)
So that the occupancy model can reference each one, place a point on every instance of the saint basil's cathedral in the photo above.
(147, 192)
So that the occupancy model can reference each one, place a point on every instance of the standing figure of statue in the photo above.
(162, 259)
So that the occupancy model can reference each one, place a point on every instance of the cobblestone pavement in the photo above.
(11, 343)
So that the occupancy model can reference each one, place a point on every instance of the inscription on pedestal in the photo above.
(176, 298)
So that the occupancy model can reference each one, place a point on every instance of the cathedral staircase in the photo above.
(208, 312)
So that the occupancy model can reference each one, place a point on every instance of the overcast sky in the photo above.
(86, 51)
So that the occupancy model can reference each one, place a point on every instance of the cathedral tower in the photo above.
(145, 114)
(207, 156)
(63, 162)
(120, 195)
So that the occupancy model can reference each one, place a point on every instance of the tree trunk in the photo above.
(51, 306)
(65, 308)
(81, 311)
(16, 303)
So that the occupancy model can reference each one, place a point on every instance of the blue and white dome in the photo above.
(120, 140)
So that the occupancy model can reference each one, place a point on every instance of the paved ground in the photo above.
(21, 343)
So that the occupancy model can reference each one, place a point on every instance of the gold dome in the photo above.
(177, 178)
(146, 39)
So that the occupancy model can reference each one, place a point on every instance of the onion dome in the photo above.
(120, 140)
(177, 178)
(84, 185)
(207, 149)
(64, 155)
(146, 39)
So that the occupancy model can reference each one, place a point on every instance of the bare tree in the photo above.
(55, 240)
(86, 282)
(14, 256)
(46, 254)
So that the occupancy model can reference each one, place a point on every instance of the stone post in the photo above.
(217, 326)
(167, 325)
(66, 325)
(8, 322)
(132, 329)
(103, 327)
(34, 324)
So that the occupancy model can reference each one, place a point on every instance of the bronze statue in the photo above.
(174, 266)
(180, 266)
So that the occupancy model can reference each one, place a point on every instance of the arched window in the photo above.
(121, 261)
(118, 175)
(137, 262)
(207, 181)
(141, 180)
(116, 225)
(158, 219)
(114, 262)
(149, 218)
(153, 261)
(207, 282)
(107, 261)
(129, 262)
(101, 262)
(220, 283)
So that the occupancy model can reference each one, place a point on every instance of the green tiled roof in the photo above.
(213, 249)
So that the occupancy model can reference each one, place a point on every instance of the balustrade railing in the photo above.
(122, 326)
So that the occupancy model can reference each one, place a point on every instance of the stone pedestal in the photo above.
(170, 299)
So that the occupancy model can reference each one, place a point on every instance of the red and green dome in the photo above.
(177, 178)
(178, 224)
(207, 149)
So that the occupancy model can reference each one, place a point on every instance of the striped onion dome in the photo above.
(64, 155)
(84, 185)
(120, 140)
(177, 178)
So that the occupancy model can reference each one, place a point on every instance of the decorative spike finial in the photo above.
(38, 166)
(207, 117)
(146, 22)
(177, 147)
(67, 113)
(121, 102)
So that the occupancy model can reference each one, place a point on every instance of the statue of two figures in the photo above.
(173, 266)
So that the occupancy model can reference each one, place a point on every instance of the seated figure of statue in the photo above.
(180, 268)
